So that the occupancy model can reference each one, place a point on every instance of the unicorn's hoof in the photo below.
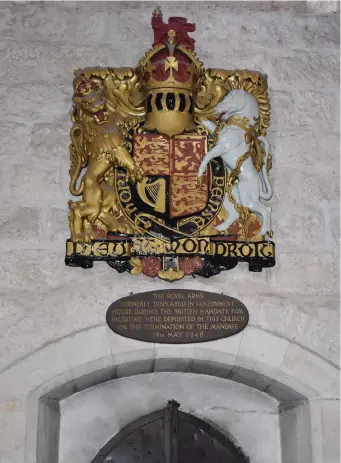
(270, 233)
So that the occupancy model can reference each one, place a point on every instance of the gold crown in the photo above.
(170, 66)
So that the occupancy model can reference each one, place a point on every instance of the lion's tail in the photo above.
(77, 162)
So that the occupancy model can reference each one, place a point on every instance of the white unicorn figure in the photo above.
(232, 144)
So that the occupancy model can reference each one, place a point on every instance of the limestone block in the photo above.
(28, 320)
(317, 109)
(322, 334)
(32, 61)
(251, 376)
(286, 186)
(305, 69)
(40, 367)
(304, 273)
(35, 182)
(241, 399)
(322, 30)
(12, 307)
(227, 280)
(230, 282)
(282, 390)
(57, 224)
(126, 350)
(12, 430)
(87, 365)
(76, 307)
(323, 185)
(48, 425)
(311, 322)
(296, 434)
(298, 69)
(328, 148)
(283, 114)
(21, 61)
(132, 54)
(226, 7)
(210, 368)
(106, 372)
(215, 55)
(15, 140)
(140, 367)
(174, 357)
(334, 223)
(8, 20)
(294, 6)
(104, 426)
(222, 351)
(38, 271)
(304, 189)
(37, 102)
(132, 26)
(331, 431)
(311, 369)
(324, 7)
(171, 364)
(283, 147)
(20, 336)
(259, 358)
(55, 389)
(253, 29)
(290, 389)
(260, 346)
(299, 227)
(19, 223)
(325, 415)
(51, 141)
(76, 347)
(216, 357)
(59, 22)
(304, 148)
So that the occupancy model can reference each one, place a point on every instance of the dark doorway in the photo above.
(170, 436)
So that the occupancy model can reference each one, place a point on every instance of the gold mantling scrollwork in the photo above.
(217, 83)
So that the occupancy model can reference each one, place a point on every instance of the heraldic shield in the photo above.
(176, 161)
(172, 164)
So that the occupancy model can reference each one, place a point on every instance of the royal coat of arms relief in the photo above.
(171, 164)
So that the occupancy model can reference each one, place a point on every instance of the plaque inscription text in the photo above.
(177, 316)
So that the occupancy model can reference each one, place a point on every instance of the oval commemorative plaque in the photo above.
(177, 316)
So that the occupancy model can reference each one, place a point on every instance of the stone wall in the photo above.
(52, 320)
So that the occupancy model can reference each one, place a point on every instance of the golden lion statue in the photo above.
(106, 102)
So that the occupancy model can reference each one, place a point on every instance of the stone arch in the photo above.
(112, 357)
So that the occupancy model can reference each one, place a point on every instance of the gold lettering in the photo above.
(100, 249)
(83, 249)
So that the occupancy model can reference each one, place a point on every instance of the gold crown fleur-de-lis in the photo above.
(171, 37)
